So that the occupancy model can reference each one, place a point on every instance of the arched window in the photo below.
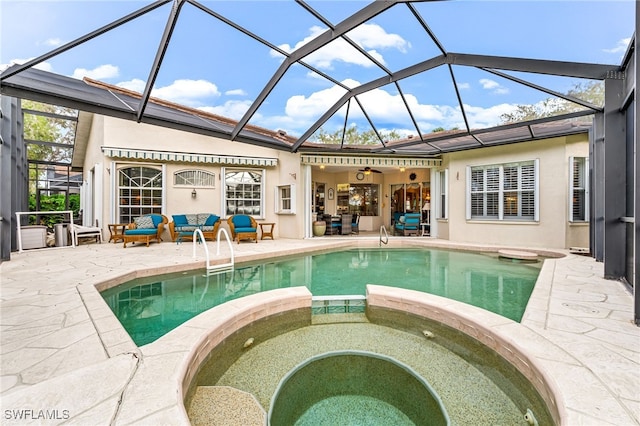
(198, 178)
(139, 192)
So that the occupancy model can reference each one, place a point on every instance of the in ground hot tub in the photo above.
(345, 386)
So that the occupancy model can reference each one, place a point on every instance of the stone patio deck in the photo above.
(66, 358)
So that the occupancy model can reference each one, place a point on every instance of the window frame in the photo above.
(443, 195)
(493, 190)
(226, 211)
(280, 199)
(195, 184)
(584, 169)
(142, 207)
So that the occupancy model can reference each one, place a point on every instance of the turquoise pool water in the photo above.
(150, 307)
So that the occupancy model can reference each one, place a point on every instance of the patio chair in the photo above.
(333, 224)
(355, 224)
(243, 227)
(409, 224)
(145, 228)
(79, 231)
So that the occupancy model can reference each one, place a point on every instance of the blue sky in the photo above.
(211, 66)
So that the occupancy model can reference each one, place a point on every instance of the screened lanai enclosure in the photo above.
(318, 73)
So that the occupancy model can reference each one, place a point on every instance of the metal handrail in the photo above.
(386, 236)
(198, 233)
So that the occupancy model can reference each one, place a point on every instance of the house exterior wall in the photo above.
(553, 229)
(117, 133)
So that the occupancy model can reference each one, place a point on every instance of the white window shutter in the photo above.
(276, 201)
(536, 196)
(468, 193)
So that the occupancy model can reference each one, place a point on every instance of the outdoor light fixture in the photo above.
(402, 169)
(194, 194)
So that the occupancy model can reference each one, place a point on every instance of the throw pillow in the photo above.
(192, 219)
(144, 222)
(180, 219)
(211, 220)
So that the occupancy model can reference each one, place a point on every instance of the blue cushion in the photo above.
(157, 219)
(242, 221)
(141, 231)
(180, 219)
(245, 229)
(211, 220)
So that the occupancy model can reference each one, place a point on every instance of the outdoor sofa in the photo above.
(183, 225)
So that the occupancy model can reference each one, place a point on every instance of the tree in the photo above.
(592, 92)
(353, 137)
(41, 128)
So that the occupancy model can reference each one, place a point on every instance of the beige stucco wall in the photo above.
(552, 230)
(113, 132)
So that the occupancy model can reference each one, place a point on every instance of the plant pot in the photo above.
(319, 228)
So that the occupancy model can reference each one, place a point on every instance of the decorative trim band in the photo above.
(341, 160)
(184, 157)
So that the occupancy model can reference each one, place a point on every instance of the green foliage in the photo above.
(56, 202)
(46, 129)
(354, 137)
(592, 92)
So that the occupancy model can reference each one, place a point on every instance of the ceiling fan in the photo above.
(368, 170)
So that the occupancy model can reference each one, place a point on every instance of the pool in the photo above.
(150, 307)
(472, 382)
(341, 386)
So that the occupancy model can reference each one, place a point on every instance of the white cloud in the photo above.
(101, 72)
(480, 117)
(236, 92)
(621, 47)
(190, 93)
(187, 92)
(384, 107)
(44, 66)
(464, 86)
(230, 109)
(53, 42)
(136, 85)
(370, 37)
(493, 86)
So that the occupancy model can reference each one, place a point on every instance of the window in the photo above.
(194, 178)
(443, 177)
(579, 189)
(363, 199)
(503, 192)
(243, 192)
(285, 199)
(139, 192)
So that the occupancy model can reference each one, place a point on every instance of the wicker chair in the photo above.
(145, 228)
(243, 227)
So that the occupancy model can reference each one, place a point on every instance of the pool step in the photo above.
(338, 318)
(341, 304)
(224, 405)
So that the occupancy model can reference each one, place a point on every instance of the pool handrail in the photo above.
(198, 234)
(386, 236)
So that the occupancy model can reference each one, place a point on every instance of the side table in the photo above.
(423, 227)
(116, 232)
(264, 233)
